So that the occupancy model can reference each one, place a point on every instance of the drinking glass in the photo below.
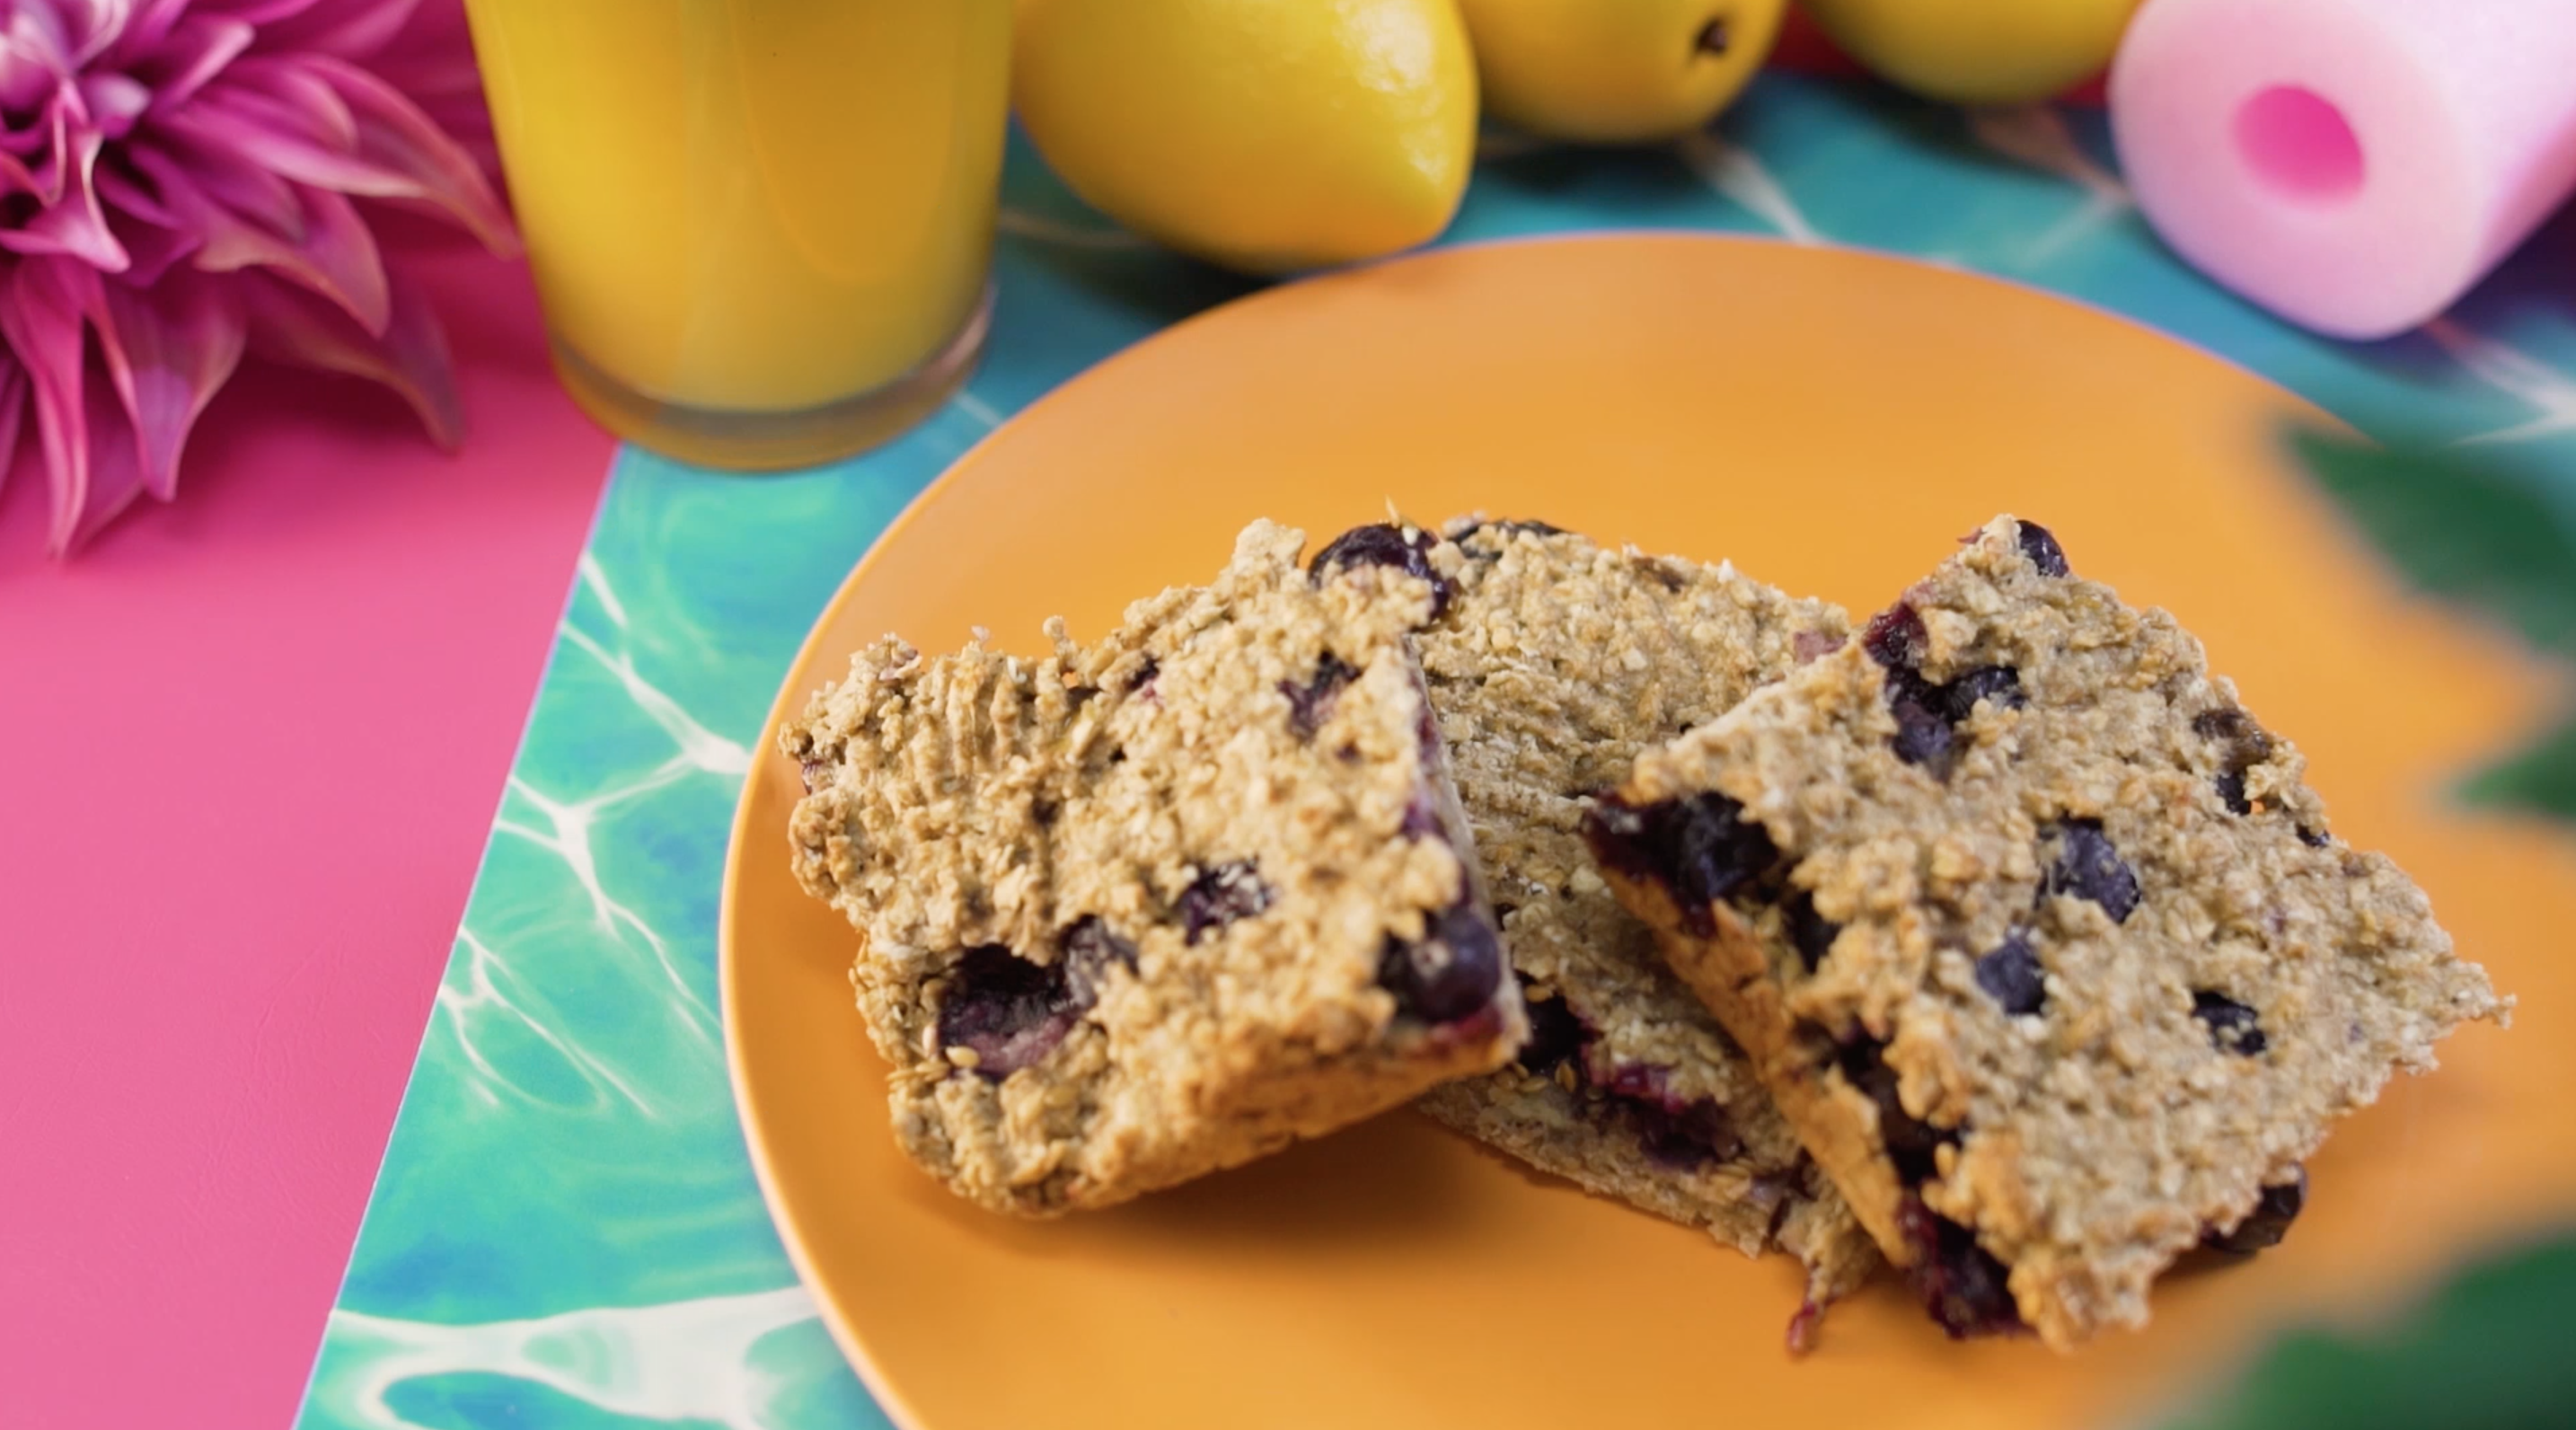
(761, 229)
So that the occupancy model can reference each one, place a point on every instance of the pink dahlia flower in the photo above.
(181, 180)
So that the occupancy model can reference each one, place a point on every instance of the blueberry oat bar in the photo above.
(1553, 663)
(2036, 936)
(1159, 905)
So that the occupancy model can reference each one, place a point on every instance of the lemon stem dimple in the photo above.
(1713, 37)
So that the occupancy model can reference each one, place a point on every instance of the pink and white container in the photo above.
(2352, 165)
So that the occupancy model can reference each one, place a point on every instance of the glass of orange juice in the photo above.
(761, 229)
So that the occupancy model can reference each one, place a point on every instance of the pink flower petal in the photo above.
(223, 121)
(32, 57)
(168, 348)
(183, 180)
(114, 101)
(288, 325)
(52, 152)
(31, 139)
(198, 49)
(393, 150)
(434, 68)
(14, 176)
(399, 139)
(336, 258)
(250, 191)
(74, 224)
(332, 252)
(281, 93)
(154, 248)
(257, 12)
(144, 34)
(294, 145)
(353, 30)
(124, 195)
(90, 27)
(13, 413)
(116, 474)
(43, 324)
(435, 58)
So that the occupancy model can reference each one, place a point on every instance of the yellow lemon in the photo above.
(1617, 71)
(1266, 135)
(1978, 51)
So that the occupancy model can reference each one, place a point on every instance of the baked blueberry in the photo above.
(1693, 1135)
(1926, 713)
(1895, 638)
(1449, 974)
(1380, 544)
(2011, 975)
(1005, 1010)
(2231, 792)
(1556, 1034)
(1089, 950)
(2233, 1028)
(1221, 894)
(1811, 933)
(2224, 724)
(2270, 1220)
(1311, 704)
(1961, 1283)
(1910, 1141)
(1701, 847)
(1422, 817)
(1998, 683)
(1923, 734)
(2089, 867)
(2040, 545)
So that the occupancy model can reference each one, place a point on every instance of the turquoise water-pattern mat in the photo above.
(565, 1231)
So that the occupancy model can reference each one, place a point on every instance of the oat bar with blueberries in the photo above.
(2036, 936)
(1159, 905)
(1553, 662)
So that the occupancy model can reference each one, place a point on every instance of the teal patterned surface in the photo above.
(565, 1231)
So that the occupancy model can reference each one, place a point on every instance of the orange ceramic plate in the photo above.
(1831, 421)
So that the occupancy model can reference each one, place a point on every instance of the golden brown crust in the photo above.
(1237, 789)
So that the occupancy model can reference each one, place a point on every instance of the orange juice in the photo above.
(741, 210)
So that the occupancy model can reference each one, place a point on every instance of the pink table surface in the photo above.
(250, 746)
